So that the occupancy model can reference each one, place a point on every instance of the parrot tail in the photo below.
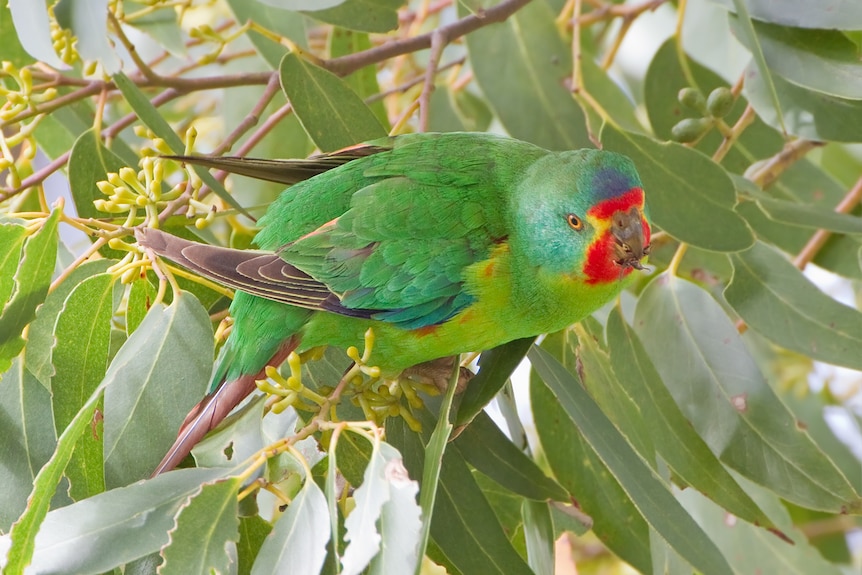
(213, 408)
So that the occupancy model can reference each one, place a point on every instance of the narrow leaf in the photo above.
(400, 522)
(154, 380)
(27, 439)
(486, 448)
(297, 544)
(206, 526)
(715, 381)
(333, 115)
(672, 434)
(646, 490)
(110, 529)
(528, 45)
(88, 21)
(11, 241)
(495, 367)
(40, 335)
(83, 335)
(539, 532)
(31, 286)
(750, 39)
(34, 31)
(90, 162)
(778, 301)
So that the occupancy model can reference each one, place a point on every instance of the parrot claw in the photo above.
(437, 372)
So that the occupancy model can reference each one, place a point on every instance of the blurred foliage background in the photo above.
(708, 421)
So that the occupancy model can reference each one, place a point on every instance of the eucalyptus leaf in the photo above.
(88, 22)
(774, 298)
(207, 529)
(157, 376)
(539, 108)
(34, 31)
(297, 543)
(333, 115)
(715, 381)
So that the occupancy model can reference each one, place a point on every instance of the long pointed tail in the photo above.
(212, 409)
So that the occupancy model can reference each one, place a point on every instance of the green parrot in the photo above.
(442, 243)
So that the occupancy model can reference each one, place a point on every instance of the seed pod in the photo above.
(719, 102)
(692, 98)
(690, 129)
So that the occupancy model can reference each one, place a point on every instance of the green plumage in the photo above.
(442, 243)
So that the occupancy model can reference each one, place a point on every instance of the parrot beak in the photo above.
(627, 229)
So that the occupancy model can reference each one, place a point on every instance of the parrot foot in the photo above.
(437, 372)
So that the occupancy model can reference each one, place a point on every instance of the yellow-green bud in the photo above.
(692, 98)
(690, 129)
(719, 102)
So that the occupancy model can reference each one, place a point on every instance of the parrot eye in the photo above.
(575, 222)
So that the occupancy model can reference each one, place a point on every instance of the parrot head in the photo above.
(583, 214)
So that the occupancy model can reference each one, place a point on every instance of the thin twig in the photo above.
(438, 43)
(350, 63)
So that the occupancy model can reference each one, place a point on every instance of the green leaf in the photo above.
(10, 46)
(713, 378)
(27, 439)
(158, 375)
(466, 532)
(252, 533)
(31, 286)
(575, 464)
(779, 302)
(751, 549)
(207, 524)
(363, 81)
(433, 460)
(40, 335)
(495, 367)
(805, 14)
(746, 31)
(808, 114)
(297, 544)
(89, 163)
(808, 216)
(539, 532)
(400, 522)
(112, 528)
(303, 4)
(538, 108)
(384, 477)
(333, 115)
(83, 333)
(142, 294)
(810, 187)
(486, 448)
(671, 433)
(689, 196)
(363, 15)
(640, 483)
(821, 60)
(160, 24)
(33, 29)
(149, 115)
(11, 242)
(284, 22)
(88, 22)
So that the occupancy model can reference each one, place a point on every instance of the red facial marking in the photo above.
(604, 210)
(600, 266)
